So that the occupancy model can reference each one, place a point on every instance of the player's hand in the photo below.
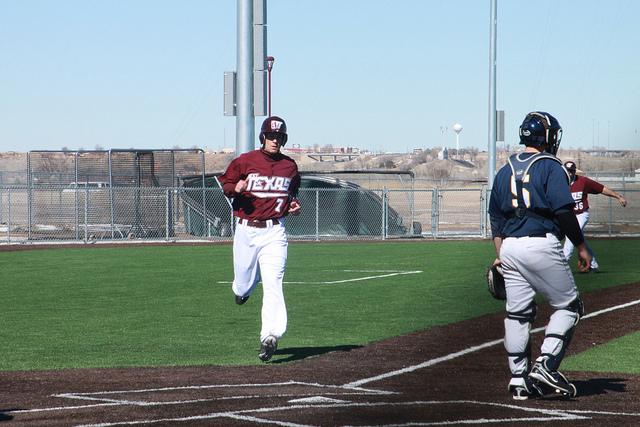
(294, 207)
(622, 201)
(584, 259)
(240, 186)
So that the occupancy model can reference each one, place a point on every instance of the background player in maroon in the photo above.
(263, 184)
(581, 187)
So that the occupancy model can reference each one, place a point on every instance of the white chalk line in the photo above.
(468, 350)
(199, 387)
(94, 396)
(389, 273)
(550, 414)
(566, 414)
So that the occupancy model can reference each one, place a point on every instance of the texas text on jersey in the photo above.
(272, 183)
(581, 187)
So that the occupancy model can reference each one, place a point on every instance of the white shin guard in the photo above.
(558, 335)
(518, 345)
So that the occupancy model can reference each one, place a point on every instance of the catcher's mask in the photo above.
(274, 128)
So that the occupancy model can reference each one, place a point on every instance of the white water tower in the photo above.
(457, 128)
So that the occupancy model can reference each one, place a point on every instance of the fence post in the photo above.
(610, 215)
(29, 196)
(317, 215)
(166, 214)
(188, 219)
(113, 224)
(86, 213)
(413, 209)
(204, 210)
(76, 212)
(385, 201)
(435, 215)
(9, 215)
(75, 194)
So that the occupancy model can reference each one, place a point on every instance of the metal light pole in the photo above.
(493, 28)
(245, 119)
(270, 61)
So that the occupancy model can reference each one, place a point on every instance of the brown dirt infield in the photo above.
(448, 375)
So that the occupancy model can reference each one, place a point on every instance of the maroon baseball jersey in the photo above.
(272, 183)
(580, 189)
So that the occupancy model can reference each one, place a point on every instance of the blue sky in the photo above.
(381, 75)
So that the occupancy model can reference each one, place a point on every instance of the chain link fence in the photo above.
(89, 214)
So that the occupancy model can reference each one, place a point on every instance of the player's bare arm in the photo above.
(240, 186)
(294, 207)
(584, 258)
(609, 192)
(497, 242)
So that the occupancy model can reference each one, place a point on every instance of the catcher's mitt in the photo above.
(495, 282)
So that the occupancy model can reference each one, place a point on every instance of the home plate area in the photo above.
(289, 403)
(453, 374)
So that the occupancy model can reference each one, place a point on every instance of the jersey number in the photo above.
(525, 192)
(279, 203)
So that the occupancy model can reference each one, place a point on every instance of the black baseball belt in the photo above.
(258, 223)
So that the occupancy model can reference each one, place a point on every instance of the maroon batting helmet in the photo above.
(274, 125)
(570, 167)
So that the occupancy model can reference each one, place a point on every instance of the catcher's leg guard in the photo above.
(517, 327)
(559, 332)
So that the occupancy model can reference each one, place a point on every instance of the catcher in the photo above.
(531, 209)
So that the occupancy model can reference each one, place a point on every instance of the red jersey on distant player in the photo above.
(581, 187)
(272, 182)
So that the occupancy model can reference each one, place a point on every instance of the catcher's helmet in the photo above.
(274, 124)
(541, 129)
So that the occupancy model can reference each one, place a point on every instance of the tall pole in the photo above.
(492, 94)
(270, 61)
(244, 85)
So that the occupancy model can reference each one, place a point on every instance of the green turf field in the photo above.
(172, 305)
(619, 355)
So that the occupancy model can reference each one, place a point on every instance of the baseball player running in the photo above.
(531, 208)
(263, 184)
(581, 187)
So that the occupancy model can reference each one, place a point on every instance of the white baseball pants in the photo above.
(261, 253)
(536, 265)
(583, 219)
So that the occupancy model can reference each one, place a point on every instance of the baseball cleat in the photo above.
(267, 348)
(525, 390)
(553, 379)
(241, 300)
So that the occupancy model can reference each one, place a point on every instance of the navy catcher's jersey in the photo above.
(545, 190)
